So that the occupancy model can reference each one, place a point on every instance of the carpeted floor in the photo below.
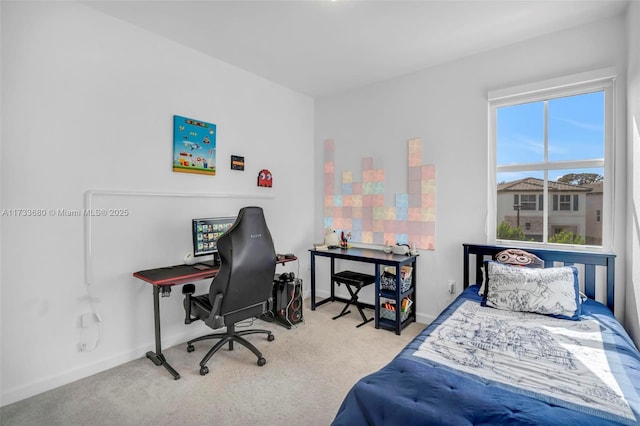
(309, 370)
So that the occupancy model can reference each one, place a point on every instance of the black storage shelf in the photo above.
(391, 325)
(391, 294)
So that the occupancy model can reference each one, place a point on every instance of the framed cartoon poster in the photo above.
(194, 146)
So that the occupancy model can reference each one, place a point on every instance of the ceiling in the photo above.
(323, 47)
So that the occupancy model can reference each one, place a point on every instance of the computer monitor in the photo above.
(205, 233)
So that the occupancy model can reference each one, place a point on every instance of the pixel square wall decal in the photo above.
(194, 146)
(358, 206)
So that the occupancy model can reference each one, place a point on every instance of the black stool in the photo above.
(353, 280)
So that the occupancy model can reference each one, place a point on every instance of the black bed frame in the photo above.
(551, 258)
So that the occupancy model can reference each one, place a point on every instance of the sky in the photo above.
(575, 132)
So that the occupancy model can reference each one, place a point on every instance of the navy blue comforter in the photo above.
(416, 391)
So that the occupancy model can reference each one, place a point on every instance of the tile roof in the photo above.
(537, 185)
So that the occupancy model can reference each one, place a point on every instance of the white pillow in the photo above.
(513, 256)
(547, 291)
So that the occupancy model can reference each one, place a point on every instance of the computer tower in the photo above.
(287, 297)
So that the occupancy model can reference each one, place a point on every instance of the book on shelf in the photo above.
(405, 305)
(405, 271)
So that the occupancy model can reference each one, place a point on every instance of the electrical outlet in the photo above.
(452, 287)
(87, 320)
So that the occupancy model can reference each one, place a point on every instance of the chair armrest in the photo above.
(270, 304)
(216, 320)
(217, 303)
(188, 290)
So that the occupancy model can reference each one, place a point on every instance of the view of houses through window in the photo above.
(550, 169)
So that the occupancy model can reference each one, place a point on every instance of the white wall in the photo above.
(632, 305)
(447, 107)
(87, 106)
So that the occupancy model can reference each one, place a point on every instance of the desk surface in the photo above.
(178, 274)
(181, 274)
(365, 255)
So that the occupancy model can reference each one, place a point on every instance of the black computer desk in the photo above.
(378, 259)
(162, 280)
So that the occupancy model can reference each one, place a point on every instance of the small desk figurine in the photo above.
(331, 238)
(344, 239)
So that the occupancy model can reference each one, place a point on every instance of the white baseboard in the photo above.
(56, 380)
(424, 319)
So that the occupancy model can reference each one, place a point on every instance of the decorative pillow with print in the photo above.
(513, 256)
(547, 291)
(520, 258)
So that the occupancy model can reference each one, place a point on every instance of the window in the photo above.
(524, 201)
(550, 141)
(528, 201)
(565, 202)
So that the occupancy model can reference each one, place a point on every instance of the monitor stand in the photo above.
(213, 263)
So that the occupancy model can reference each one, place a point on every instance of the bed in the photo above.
(488, 365)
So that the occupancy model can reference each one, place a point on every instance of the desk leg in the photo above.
(331, 298)
(398, 301)
(376, 297)
(157, 357)
(333, 272)
(313, 282)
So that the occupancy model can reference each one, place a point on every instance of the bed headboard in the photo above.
(550, 258)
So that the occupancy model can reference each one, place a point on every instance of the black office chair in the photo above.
(242, 288)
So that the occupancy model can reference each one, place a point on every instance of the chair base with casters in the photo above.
(230, 336)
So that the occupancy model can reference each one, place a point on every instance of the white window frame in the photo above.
(577, 84)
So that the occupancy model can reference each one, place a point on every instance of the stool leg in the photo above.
(344, 310)
(354, 301)
(364, 318)
(354, 297)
